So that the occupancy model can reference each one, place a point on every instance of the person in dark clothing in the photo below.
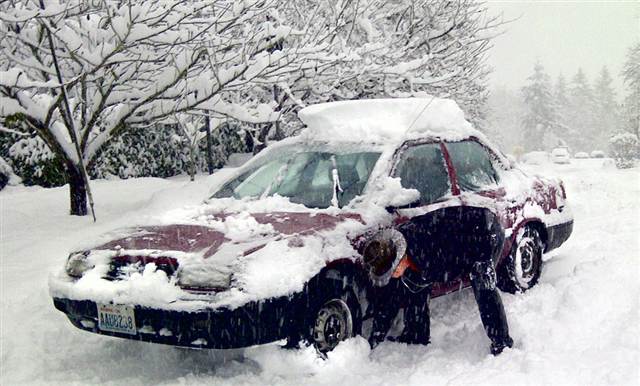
(392, 298)
(445, 244)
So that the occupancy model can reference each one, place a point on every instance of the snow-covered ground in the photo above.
(580, 325)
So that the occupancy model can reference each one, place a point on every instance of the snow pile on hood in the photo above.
(254, 254)
(386, 120)
(150, 287)
(240, 227)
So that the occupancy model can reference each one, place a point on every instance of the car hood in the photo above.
(224, 250)
(248, 229)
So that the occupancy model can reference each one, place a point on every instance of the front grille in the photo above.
(123, 266)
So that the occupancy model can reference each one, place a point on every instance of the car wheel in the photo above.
(521, 270)
(335, 314)
(333, 324)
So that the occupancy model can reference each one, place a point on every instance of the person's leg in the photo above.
(386, 302)
(416, 318)
(494, 319)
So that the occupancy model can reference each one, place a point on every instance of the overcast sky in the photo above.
(563, 35)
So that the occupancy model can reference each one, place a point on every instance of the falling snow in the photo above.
(578, 326)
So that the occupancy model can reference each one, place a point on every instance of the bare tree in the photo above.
(80, 73)
(394, 49)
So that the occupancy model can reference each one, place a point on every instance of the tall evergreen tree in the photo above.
(582, 113)
(631, 75)
(563, 105)
(505, 110)
(606, 120)
(540, 117)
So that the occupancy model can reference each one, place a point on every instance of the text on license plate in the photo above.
(116, 318)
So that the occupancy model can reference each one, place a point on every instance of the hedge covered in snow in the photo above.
(625, 149)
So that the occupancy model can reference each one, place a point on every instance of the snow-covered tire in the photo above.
(336, 317)
(522, 268)
(332, 325)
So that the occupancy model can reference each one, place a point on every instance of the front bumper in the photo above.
(252, 324)
(558, 234)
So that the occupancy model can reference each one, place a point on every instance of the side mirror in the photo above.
(413, 204)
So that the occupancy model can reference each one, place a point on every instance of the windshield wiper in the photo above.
(336, 182)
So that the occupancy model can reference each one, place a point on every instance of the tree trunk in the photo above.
(207, 129)
(262, 138)
(77, 191)
(278, 135)
(192, 163)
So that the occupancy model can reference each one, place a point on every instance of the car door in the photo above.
(450, 176)
(476, 178)
(423, 166)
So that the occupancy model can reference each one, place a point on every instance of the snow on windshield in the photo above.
(313, 178)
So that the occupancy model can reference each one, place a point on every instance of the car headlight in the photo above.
(382, 254)
(77, 264)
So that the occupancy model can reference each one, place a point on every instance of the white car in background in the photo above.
(597, 154)
(560, 155)
(581, 155)
(535, 158)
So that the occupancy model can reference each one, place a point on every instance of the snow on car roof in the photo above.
(385, 120)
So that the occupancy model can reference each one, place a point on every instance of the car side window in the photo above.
(472, 162)
(422, 167)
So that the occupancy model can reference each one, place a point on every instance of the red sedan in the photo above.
(296, 242)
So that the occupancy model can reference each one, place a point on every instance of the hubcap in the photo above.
(333, 325)
(526, 255)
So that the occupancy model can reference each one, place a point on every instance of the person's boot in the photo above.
(416, 319)
(385, 305)
(490, 306)
(499, 345)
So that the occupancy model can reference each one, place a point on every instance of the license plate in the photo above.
(116, 318)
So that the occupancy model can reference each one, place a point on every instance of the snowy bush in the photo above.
(624, 149)
(31, 159)
(229, 137)
(143, 153)
(165, 152)
(7, 176)
(138, 152)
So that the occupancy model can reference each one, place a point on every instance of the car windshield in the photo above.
(313, 178)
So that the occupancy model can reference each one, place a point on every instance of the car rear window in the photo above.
(472, 162)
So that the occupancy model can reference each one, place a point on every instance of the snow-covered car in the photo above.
(295, 244)
(560, 155)
(597, 154)
(581, 155)
(535, 158)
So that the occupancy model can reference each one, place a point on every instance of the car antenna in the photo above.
(419, 114)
